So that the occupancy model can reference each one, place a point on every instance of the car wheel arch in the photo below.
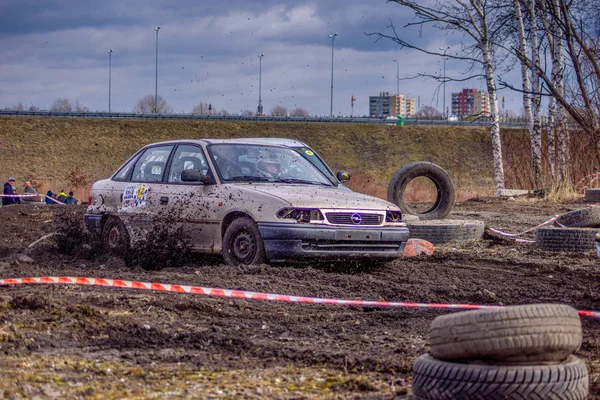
(232, 216)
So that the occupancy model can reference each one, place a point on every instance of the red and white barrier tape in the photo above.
(595, 176)
(32, 195)
(242, 294)
(554, 218)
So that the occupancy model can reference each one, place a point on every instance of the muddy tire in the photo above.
(592, 195)
(585, 217)
(242, 243)
(551, 238)
(442, 181)
(520, 334)
(444, 231)
(115, 237)
(441, 380)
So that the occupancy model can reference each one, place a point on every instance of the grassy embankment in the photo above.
(49, 149)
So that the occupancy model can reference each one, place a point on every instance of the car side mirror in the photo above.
(343, 176)
(193, 175)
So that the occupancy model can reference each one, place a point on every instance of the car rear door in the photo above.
(194, 206)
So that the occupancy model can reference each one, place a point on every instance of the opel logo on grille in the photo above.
(356, 219)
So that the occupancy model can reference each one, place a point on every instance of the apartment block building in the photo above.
(470, 103)
(386, 105)
(390, 105)
(411, 108)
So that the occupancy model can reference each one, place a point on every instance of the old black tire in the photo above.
(441, 380)
(592, 195)
(528, 333)
(446, 230)
(552, 238)
(442, 181)
(115, 236)
(582, 218)
(242, 243)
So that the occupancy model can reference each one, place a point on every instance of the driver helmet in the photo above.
(270, 165)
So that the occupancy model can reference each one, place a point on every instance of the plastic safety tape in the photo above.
(31, 195)
(242, 294)
(554, 218)
(595, 177)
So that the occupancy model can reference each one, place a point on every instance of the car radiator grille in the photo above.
(347, 218)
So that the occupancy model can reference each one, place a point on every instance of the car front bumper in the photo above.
(292, 241)
(94, 222)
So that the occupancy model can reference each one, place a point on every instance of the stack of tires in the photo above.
(519, 352)
(431, 224)
(575, 231)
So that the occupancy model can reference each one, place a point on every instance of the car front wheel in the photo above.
(242, 243)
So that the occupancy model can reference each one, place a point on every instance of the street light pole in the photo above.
(260, 107)
(109, 75)
(397, 86)
(156, 75)
(331, 96)
(444, 113)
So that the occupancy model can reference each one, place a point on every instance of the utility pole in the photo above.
(260, 107)
(109, 75)
(331, 96)
(156, 75)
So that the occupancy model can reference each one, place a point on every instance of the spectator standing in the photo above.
(9, 189)
(49, 197)
(70, 199)
(61, 196)
(29, 190)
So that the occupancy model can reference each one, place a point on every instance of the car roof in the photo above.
(263, 141)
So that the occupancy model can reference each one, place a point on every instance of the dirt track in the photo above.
(64, 341)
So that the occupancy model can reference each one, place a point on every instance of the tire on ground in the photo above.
(441, 380)
(242, 243)
(592, 195)
(528, 333)
(565, 239)
(115, 236)
(446, 230)
(585, 217)
(442, 181)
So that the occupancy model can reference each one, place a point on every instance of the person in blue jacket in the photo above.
(49, 197)
(9, 189)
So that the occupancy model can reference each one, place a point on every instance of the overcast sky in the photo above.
(207, 52)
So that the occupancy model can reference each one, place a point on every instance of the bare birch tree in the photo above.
(472, 18)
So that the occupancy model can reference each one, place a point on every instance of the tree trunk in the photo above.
(535, 147)
(536, 100)
(494, 115)
(558, 79)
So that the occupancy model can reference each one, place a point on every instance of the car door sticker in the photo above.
(135, 196)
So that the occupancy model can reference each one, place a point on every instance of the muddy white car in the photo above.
(250, 200)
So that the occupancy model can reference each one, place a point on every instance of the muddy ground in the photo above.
(84, 342)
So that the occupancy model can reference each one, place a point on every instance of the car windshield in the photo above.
(314, 159)
(256, 163)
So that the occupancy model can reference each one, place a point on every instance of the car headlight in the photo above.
(303, 215)
(393, 216)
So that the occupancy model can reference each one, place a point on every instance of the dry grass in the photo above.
(55, 151)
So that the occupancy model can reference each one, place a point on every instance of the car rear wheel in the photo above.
(115, 236)
(242, 243)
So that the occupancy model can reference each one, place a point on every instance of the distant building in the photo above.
(470, 103)
(411, 108)
(386, 105)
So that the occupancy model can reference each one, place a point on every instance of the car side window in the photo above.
(124, 171)
(188, 157)
(151, 165)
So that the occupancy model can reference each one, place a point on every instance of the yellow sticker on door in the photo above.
(135, 196)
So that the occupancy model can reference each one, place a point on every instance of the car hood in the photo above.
(311, 196)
